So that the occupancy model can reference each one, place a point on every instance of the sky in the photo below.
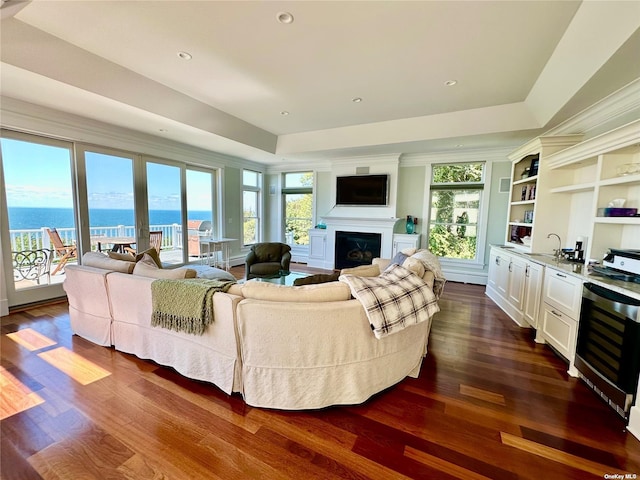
(40, 176)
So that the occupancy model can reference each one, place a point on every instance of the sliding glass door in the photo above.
(110, 200)
(200, 204)
(164, 199)
(38, 216)
(62, 199)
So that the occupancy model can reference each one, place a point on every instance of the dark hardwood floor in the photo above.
(489, 404)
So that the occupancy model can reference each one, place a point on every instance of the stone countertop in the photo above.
(631, 289)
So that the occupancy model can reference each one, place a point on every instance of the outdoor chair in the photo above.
(267, 260)
(155, 241)
(31, 265)
(62, 251)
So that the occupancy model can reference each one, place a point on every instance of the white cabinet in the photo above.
(559, 330)
(498, 273)
(405, 240)
(561, 301)
(563, 292)
(514, 283)
(532, 292)
(317, 247)
(515, 288)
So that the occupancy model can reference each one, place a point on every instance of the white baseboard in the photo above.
(296, 258)
(479, 278)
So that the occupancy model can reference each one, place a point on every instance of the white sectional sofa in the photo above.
(281, 347)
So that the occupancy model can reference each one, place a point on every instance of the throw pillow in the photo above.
(153, 253)
(315, 279)
(211, 273)
(147, 268)
(121, 256)
(324, 292)
(100, 260)
(399, 258)
(431, 263)
(362, 271)
(415, 265)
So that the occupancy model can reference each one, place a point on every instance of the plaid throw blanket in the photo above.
(185, 305)
(394, 300)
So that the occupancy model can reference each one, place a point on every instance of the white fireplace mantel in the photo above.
(367, 221)
(383, 226)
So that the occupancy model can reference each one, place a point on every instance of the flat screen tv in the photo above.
(362, 190)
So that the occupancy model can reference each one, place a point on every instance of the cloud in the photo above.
(38, 196)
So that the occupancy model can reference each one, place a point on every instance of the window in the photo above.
(298, 203)
(454, 211)
(164, 201)
(110, 198)
(251, 188)
(200, 213)
(38, 184)
(93, 196)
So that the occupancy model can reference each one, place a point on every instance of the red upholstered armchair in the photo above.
(267, 260)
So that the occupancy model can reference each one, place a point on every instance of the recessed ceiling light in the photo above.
(284, 113)
(285, 17)
(450, 83)
(185, 55)
(356, 100)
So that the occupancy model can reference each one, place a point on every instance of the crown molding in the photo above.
(455, 156)
(317, 166)
(364, 160)
(619, 103)
(556, 142)
(614, 140)
(39, 120)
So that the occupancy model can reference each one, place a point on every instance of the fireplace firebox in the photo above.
(356, 248)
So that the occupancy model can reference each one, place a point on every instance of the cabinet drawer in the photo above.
(559, 330)
(563, 291)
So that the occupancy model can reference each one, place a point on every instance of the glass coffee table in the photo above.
(285, 278)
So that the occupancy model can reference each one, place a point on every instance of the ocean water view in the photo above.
(25, 218)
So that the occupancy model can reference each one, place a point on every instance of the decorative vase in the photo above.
(409, 224)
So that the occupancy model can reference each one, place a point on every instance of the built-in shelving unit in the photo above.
(590, 175)
(530, 210)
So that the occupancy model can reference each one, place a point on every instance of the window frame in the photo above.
(77, 150)
(298, 190)
(483, 209)
(257, 189)
(45, 291)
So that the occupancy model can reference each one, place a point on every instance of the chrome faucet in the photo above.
(558, 252)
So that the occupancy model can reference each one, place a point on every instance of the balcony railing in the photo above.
(33, 239)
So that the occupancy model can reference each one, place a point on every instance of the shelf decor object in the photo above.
(409, 225)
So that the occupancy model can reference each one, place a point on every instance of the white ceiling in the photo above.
(521, 67)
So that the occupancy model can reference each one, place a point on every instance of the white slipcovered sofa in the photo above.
(281, 347)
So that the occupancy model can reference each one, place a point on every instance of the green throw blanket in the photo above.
(185, 305)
